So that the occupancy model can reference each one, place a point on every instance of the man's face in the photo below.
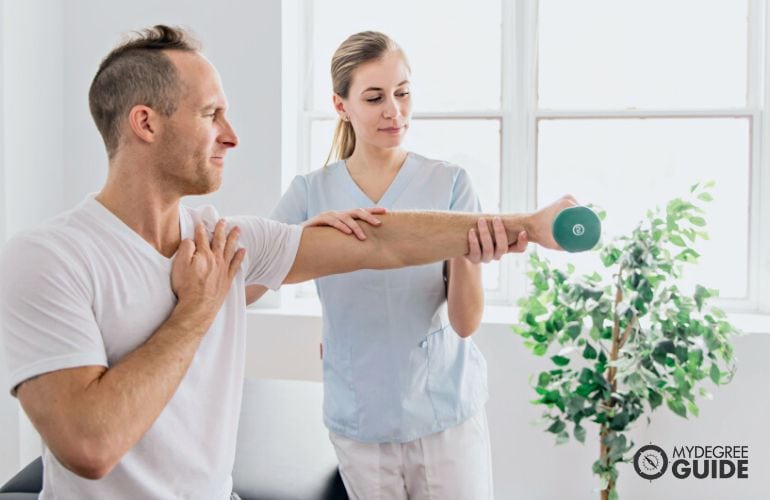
(195, 139)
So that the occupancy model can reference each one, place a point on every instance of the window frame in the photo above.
(519, 117)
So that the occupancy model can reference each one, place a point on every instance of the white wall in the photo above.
(527, 465)
(31, 157)
(240, 37)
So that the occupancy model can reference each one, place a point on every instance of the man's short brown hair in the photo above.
(137, 72)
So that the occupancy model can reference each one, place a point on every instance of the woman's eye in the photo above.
(374, 99)
(403, 94)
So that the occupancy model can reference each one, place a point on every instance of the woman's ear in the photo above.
(339, 107)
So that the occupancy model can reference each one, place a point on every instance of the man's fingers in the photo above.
(185, 251)
(232, 243)
(201, 239)
(218, 240)
(235, 264)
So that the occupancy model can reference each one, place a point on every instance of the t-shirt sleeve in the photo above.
(292, 207)
(46, 314)
(271, 248)
(464, 198)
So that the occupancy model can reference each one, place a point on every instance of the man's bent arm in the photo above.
(91, 416)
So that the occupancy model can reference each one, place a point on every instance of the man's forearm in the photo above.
(413, 238)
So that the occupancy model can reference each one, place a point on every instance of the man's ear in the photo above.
(144, 123)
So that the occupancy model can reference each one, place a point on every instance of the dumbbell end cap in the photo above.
(577, 229)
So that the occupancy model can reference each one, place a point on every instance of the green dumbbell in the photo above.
(576, 229)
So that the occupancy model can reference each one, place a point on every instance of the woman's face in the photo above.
(379, 103)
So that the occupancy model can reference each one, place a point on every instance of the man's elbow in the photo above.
(88, 460)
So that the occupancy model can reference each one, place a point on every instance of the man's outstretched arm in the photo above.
(408, 239)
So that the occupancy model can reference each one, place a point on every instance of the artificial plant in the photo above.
(630, 343)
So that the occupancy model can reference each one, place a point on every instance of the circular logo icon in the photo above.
(578, 229)
(650, 462)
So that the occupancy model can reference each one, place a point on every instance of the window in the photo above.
(623, 104)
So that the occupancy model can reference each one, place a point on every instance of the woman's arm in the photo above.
(465, 291)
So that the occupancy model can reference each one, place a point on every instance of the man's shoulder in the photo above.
(65, 242)
(62, 231)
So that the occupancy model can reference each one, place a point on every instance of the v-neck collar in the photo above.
(391, 194)
(106, 217)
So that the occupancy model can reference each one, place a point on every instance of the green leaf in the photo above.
(540, 282)
(557, 426)
(543, 379)
(698, 221)
(573, 329)
(714, 373)
(562, 438)
(540, 349)
(620, 421)
(580, 433)
(654, 398)
(677, 407)
(560, 360)
(535, 307)
(586, 375)
(701, 294)
(589, 352)
(705, 197)
(693, 408)
(613, 494)
(678, 241)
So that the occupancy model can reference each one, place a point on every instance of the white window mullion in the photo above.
(518, 140)
(651, 113)
(761, 218)
(754, 100)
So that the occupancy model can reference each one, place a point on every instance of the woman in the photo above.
(405, 388)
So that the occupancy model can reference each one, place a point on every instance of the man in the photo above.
(124, 319)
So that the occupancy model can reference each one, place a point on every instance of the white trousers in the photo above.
(453, 464)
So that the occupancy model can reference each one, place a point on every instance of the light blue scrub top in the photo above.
(393, 368)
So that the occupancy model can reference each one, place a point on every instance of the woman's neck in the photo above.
(364, 160)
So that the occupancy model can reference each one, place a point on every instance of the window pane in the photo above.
(642, 53)
(630, 166)
(453, 47)
(471, 144)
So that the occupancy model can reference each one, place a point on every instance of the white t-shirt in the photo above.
(85, 289)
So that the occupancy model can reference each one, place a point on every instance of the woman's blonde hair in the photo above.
(356, 50)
